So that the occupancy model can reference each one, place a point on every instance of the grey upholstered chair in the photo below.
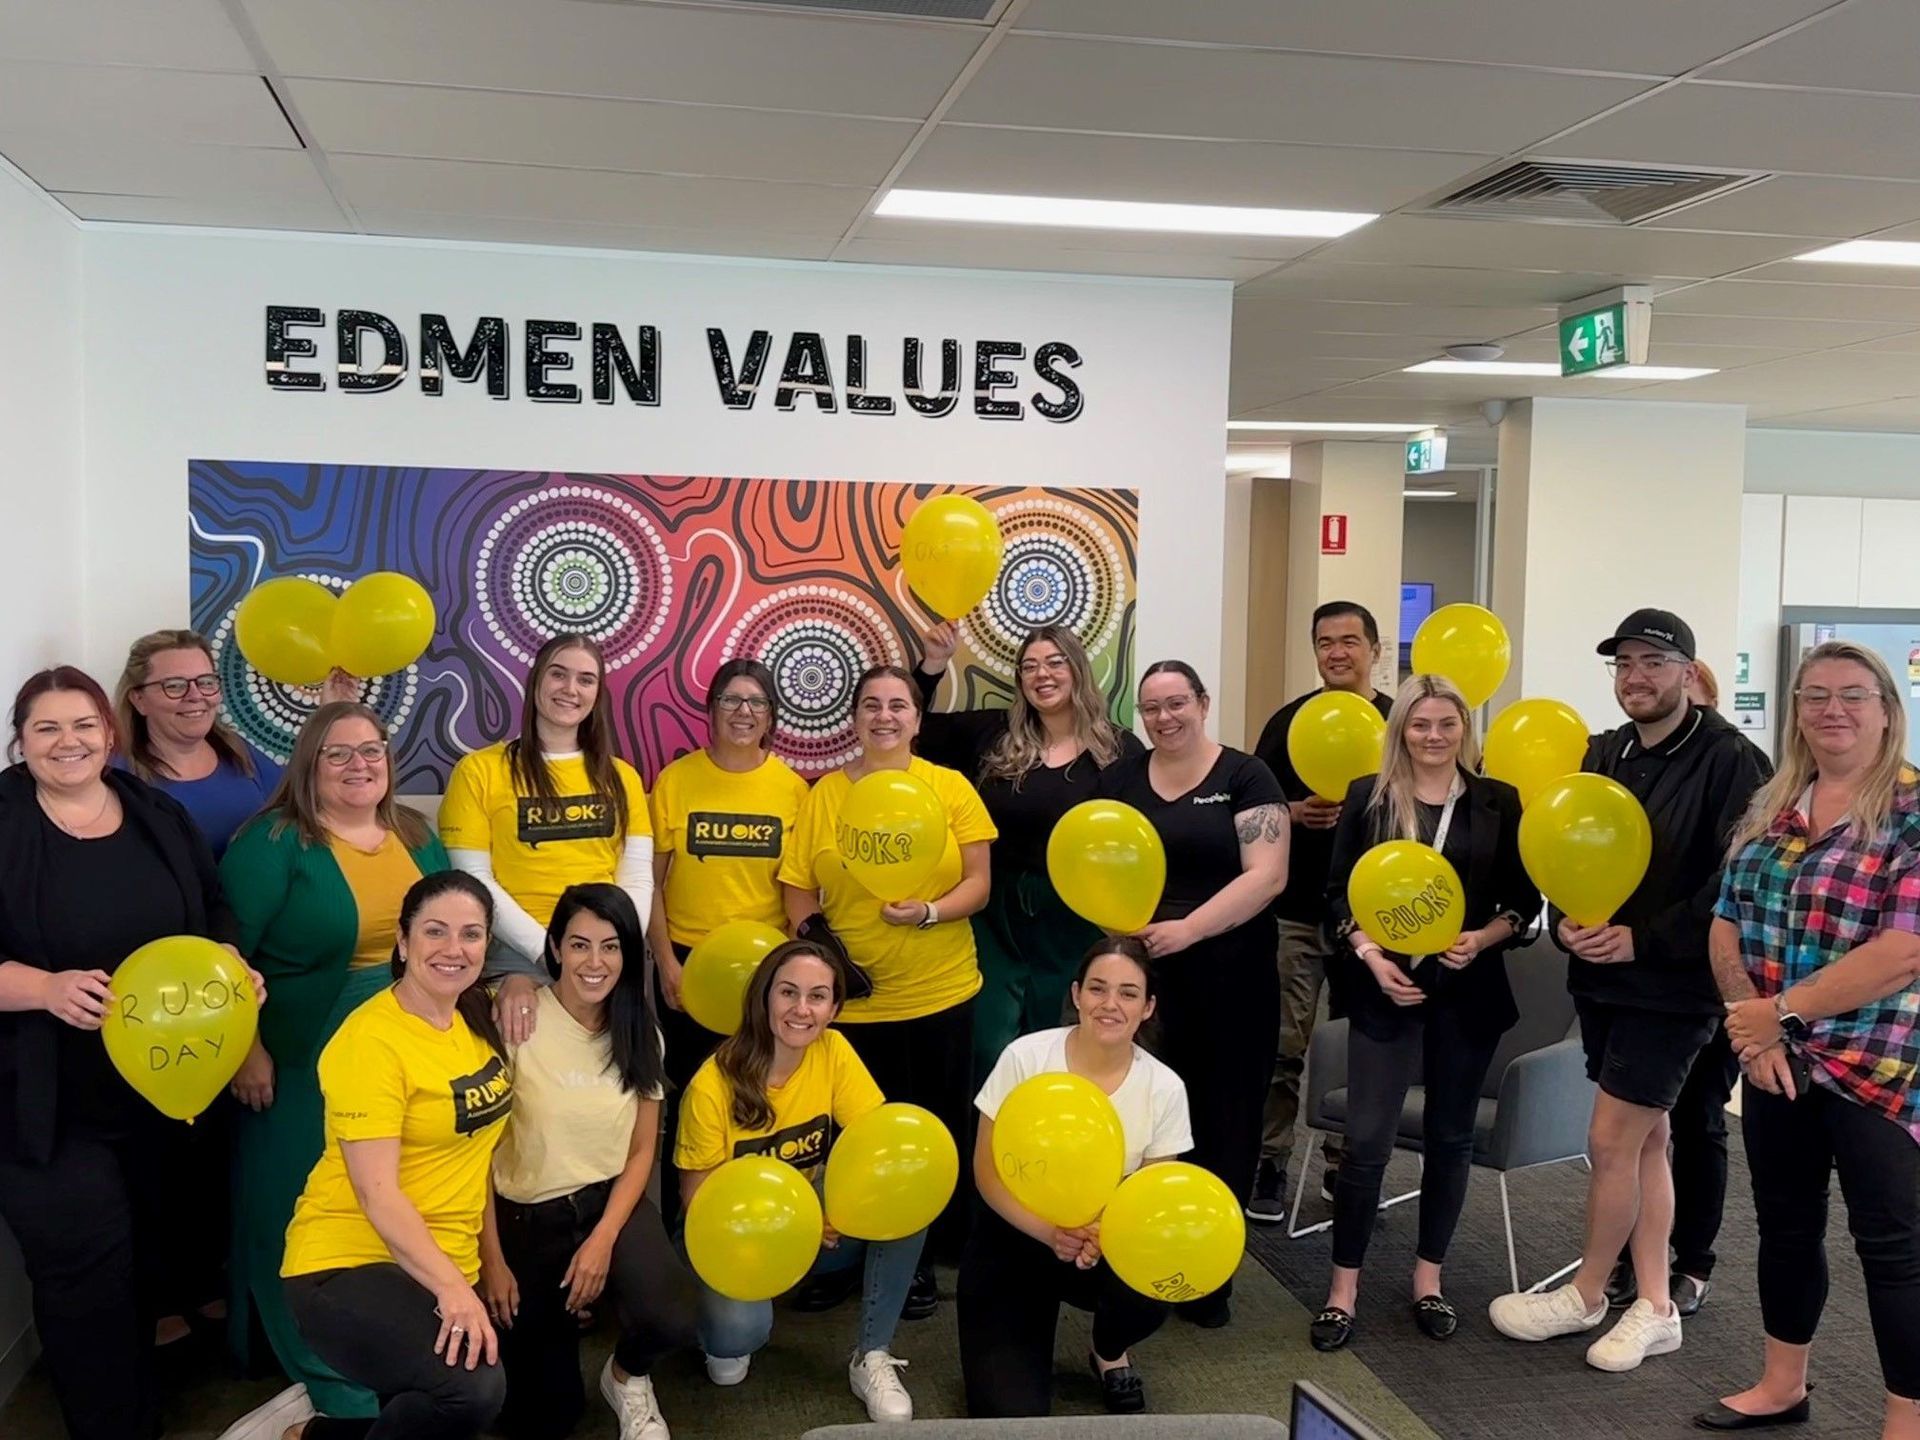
(1073, 1427)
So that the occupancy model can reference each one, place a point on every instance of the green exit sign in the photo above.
(1596, 340)
(1427, 454)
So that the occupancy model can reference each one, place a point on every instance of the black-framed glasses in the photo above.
(175, 687)
(374, 752)
(756, 704)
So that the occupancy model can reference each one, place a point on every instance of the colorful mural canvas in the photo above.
(672, 574)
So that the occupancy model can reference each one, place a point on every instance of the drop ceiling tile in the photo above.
(647, 52)
(1796, 332)
(535, 193)
(1203, 172)
(1491, 245)
(1277, 342)
(1907, 343)
(1256, 305)
(1869, 45)
(353, 117)
(1262, 95)
(171, 34)
(1894, 415)
(674, 240)
(229, 211)
(1801, 205)
(1813, 132)
(1813, 272)
(1761, 300)
(118, 102)
(1270, 249)
(141, 167)
(1326, 279)
(1641, 36)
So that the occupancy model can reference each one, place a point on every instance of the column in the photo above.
(1360, 482)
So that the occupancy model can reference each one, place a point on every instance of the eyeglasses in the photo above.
(1052, 665)
(1651, 666)
(1817, 697)
(374, 752)
(1177, 706)
(757, 704)
(176, 687)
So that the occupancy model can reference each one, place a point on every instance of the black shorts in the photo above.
(1641, 1056)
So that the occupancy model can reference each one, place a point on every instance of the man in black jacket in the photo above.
(1649, 1009)
(1346, 645)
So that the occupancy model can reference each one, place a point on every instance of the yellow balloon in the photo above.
(1407, 896)
(285, 629)
(1335, 738)
(383, 624)
(1532, 743)
(1107, 861)
(1058, 1145)
(181, 1020)
(892, 832)
(1466, 644)
(1586, 842)
(714, 983)
(890, 1173)
(753, 1228)
(1173, 1231)
(950, 551)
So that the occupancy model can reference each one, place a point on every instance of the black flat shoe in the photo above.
(1689, 1294)
(1436, 1317)
(1720, 1417)
(1209, 1312)
(923, 1296)
(1120, 1387)
(826, 1290)
(1622, 1286)
(1331, 1329)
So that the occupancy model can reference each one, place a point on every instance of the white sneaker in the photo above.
(725, 1370)
(1639, 1333)
(272, 1420)
(634, 1405)
(1529, 1316)
(875, 1378)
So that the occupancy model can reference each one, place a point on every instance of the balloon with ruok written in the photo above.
(891, 833)
(1407, 897)
(181, 1020)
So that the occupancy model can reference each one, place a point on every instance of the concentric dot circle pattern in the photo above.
(816, 639)
(1058, 570)
(269, 715)
(574, 558)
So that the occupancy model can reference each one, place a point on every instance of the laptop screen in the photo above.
(1317, 1415)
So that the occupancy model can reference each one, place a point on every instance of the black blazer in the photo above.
(29, 1116)
(1495, 881)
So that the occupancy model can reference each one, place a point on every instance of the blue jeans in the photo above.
(730, 1329)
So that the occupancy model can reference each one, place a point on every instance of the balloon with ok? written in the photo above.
(181, 1020)
(1407, 897)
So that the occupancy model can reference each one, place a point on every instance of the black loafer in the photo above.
(1622, 1286)
(826, 1290)
(1331, 1329)
(1120, 1387)
(1436, 1317)
(1688, 1294)
(923, 1296)
(1719, 1417)
(1209, 1312)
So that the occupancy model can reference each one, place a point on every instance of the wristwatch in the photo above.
(932, 917)
(1791, 1025)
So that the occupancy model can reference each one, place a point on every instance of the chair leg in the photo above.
(1506, 1215)
(1294, 1229)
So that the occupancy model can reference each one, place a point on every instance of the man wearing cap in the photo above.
(1650, 1013)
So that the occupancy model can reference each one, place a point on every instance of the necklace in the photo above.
(87, 824)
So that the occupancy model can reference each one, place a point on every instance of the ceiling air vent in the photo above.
(1573, 192)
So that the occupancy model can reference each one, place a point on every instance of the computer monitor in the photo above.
(1317, 1415)
(1416, 604)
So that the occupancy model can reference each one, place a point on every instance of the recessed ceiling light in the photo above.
(1428, 494)
(1334, 427)
(1547, 368)
(1240, 462)
(1115, 214)
(1867, 252)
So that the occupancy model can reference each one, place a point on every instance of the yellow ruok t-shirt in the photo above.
(388, 1075)
(828, 1092)
(915, 972)
(539, 847)
(379, 880)
(726, 832)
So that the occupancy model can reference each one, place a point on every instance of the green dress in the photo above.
(298, 925)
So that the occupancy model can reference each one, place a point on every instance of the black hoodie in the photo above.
(1695, 786)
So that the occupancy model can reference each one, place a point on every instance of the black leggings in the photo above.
(1793, 1146)
(376, 1325)
(649, 1289)
(1451, 1064)
(1011, 1290)
(687, 1045)
(928, 1062)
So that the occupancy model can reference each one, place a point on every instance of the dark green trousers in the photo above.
(1030, 944)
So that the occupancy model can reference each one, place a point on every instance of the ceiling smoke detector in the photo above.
(1482, 352)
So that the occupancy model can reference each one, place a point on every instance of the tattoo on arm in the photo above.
(1729, 972)
(1263, 822)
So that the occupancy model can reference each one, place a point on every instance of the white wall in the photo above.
(1437, 545)
(1833, 462)
(174, 325)
(1762, 519)
(1363, 483)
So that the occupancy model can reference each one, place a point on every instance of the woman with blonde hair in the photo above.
(1816, 949)
(1431, 1018)
(1032, 761)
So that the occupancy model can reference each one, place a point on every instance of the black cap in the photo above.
(1661, 628)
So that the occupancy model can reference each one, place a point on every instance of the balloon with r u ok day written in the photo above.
(181, 1020)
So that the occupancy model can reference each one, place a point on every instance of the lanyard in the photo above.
(1454, 792)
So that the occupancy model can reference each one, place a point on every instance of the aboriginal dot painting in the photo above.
(671, 574)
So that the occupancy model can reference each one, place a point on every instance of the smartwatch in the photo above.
(932, 917)
(1791, 1025)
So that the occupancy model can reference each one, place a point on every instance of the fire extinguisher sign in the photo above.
(1333, 534)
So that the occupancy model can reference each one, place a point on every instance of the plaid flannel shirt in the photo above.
(1802, 902)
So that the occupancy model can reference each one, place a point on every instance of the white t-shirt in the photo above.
(1152, 1100)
